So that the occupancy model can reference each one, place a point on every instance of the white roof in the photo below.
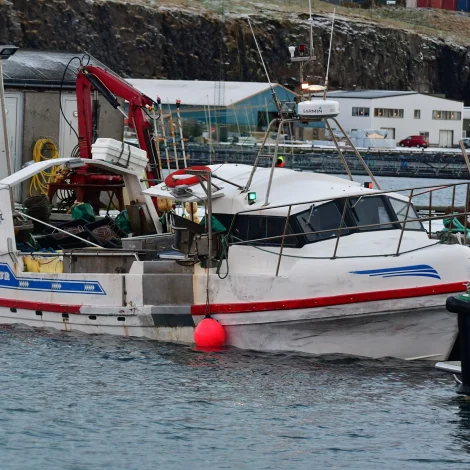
(196, 92)
(288, 187)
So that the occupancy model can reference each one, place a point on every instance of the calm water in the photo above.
(73, 401)
(440, 197)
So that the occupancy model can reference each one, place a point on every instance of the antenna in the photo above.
(329, 55)
(264, 66)
(310, 20)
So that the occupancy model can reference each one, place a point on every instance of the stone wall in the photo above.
(145, 42)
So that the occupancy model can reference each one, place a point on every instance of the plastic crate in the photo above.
(106, 232)
(74, 226)
(48, 241)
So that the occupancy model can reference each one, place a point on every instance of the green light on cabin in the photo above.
(251, 198)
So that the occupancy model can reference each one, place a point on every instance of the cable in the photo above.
(60, 93)
(40, 182)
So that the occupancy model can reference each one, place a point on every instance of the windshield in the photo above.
(362, 214)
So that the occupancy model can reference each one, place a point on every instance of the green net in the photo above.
(83, 211)
(122, 221)
(217, 225)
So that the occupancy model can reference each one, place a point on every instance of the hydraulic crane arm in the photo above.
(111, 86)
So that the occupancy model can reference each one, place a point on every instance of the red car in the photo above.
(414, 141)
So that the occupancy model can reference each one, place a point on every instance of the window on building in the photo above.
(447, 115)
(424, 134)
(361, 112)
(417, 114)
(388, 113)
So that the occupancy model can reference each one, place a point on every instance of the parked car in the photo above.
(414, 141)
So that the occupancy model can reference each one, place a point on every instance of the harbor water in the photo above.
(77, 402)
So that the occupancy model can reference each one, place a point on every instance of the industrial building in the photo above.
(226, 108)
(35, 90)
(401, 114)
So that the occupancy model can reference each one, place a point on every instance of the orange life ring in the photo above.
(172, 182)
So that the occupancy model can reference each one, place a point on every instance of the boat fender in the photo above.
(172, 182)
(209, 334)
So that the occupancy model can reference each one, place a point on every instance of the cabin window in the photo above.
(364, 213)
(325, 218)
(256, 227)
(370, 211)
(400, 210)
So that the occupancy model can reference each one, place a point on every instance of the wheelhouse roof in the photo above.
(288, 187)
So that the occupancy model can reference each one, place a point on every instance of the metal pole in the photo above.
(464, 151)
(271, 174)
(404, 222)
(343, 159)
(358, 155)
(165, 144)
(157, 143)
(286, 226)
(180, 130)
(5, 131)
(255, 164)
(452, 209)
(340, 226)
(430, 213)
(466, 218)
(211, 148)
(4, 120)
(172, 130)
(209, 216)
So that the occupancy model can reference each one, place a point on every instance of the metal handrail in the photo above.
(339, 229)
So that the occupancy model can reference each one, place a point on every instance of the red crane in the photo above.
(88, 182)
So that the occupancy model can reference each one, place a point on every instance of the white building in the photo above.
(402, 113)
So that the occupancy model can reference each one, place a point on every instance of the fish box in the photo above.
(119, 153)
(159, 242)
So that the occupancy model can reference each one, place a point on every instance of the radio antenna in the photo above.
(329, 55)
(276, 102)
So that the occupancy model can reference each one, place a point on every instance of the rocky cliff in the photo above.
(161, 42)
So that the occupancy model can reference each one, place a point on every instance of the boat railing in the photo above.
(444, 213)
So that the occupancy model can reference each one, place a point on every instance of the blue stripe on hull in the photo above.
(8, 280)
(418, 270)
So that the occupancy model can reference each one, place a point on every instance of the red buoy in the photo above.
(209, 334)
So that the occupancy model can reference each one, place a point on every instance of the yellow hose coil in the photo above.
(39, 183)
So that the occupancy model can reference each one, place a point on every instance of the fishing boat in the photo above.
(282, 260)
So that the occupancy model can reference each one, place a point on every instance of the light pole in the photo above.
(5, 53)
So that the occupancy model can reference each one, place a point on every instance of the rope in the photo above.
(39, 183)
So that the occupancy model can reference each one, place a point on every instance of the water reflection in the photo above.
(462, 423)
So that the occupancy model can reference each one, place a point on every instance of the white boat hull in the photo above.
(140, 326)
(424, 333)
(412, 333)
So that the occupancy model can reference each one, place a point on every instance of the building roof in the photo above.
(198, 92)
(367, 94)
(42, 69)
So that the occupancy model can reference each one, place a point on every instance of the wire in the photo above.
(60, 93)
(40, 182)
